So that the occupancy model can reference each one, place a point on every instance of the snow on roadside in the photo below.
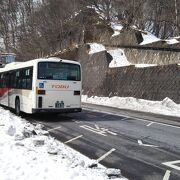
(29, 152)
(165, 107)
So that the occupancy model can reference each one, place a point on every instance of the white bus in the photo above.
(41, 85)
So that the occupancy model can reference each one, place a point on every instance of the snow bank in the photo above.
(119, 58)
(165, 107)
(28, 152)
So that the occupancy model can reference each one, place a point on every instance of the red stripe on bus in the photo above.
(3, 91)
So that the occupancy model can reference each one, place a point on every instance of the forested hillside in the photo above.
(36, 28)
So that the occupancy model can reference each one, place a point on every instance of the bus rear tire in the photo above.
(17, 107)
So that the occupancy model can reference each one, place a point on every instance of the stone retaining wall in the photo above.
(152, 83)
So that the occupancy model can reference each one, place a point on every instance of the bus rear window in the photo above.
(59, 71)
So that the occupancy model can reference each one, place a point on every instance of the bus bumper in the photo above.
(66, 110)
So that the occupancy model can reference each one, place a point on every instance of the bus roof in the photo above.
(17, 65)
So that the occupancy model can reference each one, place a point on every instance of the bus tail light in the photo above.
(77, 93)
(41, 92)
(39, 102)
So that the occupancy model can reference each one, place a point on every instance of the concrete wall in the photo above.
(153, 83)
(152, 56)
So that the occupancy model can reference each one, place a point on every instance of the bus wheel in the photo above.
(17, 107)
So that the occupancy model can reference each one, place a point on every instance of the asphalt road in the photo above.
(144, 146)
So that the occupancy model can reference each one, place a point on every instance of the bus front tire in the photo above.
(17, 107)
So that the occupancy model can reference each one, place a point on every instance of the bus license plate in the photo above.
(59, 104)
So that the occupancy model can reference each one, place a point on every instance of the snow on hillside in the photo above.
(118, 55)
(119, 58)
(172, 41)
(117, 28)
(95, 48)
(165, 107)
(149, 38)
(29, 152)
(144, 65)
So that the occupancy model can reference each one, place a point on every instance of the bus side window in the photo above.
(26, 78)
(23, 77)
(13, 79)
(17, 80)
(29, 73)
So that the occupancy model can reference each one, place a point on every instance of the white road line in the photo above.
(167, 175)
(172, 164)
(133, 118)
(107, 130)
(97, 127)
(113, 133)
(162, 124)
(105, 155)
(147, 145)
(104, 129)
(54, 129)
(93, 130)
(73, 139)
(150, 124)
